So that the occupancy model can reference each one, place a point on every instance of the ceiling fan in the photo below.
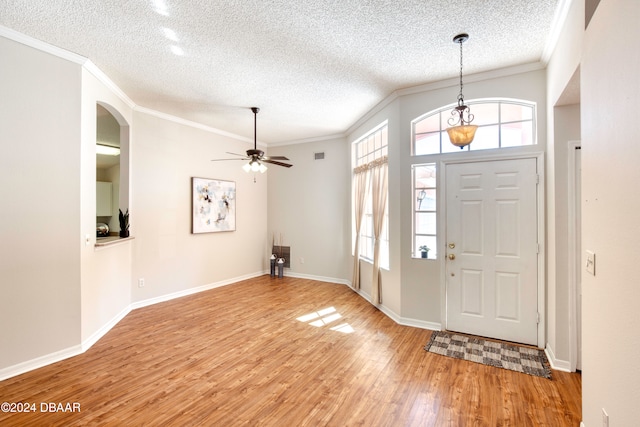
(256, 157)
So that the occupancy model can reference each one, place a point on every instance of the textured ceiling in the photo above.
(313, 67)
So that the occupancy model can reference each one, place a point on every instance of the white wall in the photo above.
(567, 128)
(40, 199)
(106, 272)
(611, 202)
(60, 294)
(563, 124)
(422, 290)
(309, 206)
(165, 156)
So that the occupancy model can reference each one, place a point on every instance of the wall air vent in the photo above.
(318, 156)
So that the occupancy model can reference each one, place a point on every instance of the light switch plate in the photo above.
(591, 263)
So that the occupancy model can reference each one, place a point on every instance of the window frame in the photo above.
(362, 157)
(415, 209)
(484, 101)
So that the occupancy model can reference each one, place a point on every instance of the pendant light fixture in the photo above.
(461, 131)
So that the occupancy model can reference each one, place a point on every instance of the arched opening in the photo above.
(112, 169)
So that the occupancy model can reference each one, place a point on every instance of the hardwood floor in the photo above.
(251, 354)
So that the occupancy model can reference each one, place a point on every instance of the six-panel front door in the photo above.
(491, 237)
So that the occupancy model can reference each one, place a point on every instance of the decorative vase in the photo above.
(273, 265)
(280, 267)
(425, 254)
(124, 233)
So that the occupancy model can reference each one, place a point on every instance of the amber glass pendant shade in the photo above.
(462, 135)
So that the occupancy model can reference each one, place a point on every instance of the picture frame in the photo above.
(213, 205)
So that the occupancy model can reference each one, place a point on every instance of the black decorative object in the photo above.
(124, 223)
(283, 252)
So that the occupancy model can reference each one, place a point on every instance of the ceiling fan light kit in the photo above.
(254, 166)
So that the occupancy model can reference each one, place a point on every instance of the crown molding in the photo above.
(26, 40)
(86, 63)
(105, 80)
(192, 124)
(441, 84)
(559, 19)
(69, 56)
(309, 140)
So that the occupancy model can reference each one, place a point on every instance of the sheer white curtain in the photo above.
(361, 176)
(379, 185)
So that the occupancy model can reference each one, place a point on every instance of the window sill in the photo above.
(111, 241)
(370, 262)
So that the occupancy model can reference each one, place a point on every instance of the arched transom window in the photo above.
(501, 123)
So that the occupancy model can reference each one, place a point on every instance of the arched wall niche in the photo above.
(112, 132)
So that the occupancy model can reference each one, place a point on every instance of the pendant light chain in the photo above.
(461, 131)
(460, 96)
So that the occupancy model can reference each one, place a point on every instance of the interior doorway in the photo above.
(575, 254)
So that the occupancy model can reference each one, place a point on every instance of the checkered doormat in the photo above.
(517, 358)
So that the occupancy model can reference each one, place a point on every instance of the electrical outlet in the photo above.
(301, 260)
(591, 263)
(605, 418)
(141, 283)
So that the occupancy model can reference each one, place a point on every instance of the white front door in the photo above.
(492, 246)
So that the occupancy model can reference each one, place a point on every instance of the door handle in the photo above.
(452, 257)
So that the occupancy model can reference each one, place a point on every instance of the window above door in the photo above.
(502, 123)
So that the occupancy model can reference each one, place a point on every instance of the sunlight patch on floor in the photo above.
(324, 317)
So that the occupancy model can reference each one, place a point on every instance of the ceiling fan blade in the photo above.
(220, 160)
(235, 154)
(273, 162)
(275, 158)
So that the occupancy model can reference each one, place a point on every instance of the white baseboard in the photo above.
(39, 362)
(191, 291)
(557, 364)
(422, 324)
(318, 278)
(57, 356)
(405, 321)
(95, 337)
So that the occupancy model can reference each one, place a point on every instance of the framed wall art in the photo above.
(213, 205)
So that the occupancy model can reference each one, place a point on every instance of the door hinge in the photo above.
(537, 179)
(537, 248)
(538, 318)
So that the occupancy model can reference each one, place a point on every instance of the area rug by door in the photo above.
(517, 358)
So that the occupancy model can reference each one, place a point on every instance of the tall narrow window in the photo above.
(369, 149)
(424, 211)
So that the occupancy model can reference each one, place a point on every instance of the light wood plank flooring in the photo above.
(238, 355)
